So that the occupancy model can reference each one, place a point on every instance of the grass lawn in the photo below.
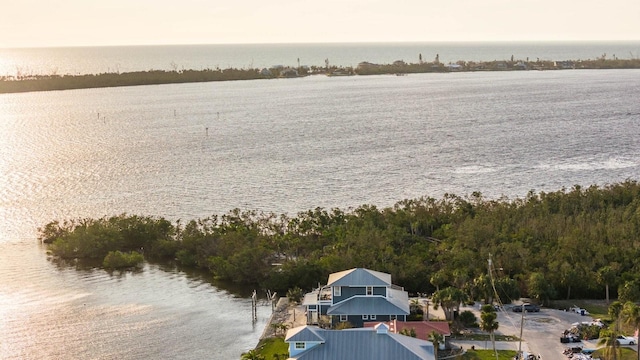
(272, 346)
(627, 354)
(488, 355)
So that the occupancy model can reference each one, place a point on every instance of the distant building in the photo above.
(565, 65)
(289, 73)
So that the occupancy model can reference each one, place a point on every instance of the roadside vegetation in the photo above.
(48, 82)
(565, 244)
(488, 355)
(624, 354)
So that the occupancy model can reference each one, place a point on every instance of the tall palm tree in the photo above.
(609, 338)
(631, 316)
(488, 323)
(436, 338)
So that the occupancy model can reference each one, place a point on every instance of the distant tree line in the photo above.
(576, 243)
(27, 83)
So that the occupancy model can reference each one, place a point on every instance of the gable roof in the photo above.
(364, 344)
(304, 334)
(359, 277)
(371, 305)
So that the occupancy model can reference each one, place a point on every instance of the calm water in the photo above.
(192, 150)
(93, 60)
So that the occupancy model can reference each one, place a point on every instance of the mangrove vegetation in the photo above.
(567, 244)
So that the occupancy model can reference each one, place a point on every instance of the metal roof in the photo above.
(359, 277)
(365, 344)
(370, 305)
(304, 334)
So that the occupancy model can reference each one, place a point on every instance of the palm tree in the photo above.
(284, 327)
(608, 339)
(450, 299)
(436, 338)
(631, 316)
(279, 326)
(488, 323)
(252, 355)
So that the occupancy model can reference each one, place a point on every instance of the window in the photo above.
(369, 290)
(300, 345)
(337, 291)
(365, 317)
(372, 317)
(343, 318)
(393, 317)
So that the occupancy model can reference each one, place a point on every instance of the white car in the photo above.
(625, 340)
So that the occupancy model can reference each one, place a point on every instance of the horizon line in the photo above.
(329, 43)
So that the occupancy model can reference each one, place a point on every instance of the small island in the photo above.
(28, 83)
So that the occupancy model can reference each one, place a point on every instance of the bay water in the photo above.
(185, 151)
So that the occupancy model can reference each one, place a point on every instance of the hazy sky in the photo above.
(26, 23)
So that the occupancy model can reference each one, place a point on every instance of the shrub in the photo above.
(468, 319)
(119, 260)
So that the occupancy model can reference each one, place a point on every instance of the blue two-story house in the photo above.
(357, 296)
(378, 343)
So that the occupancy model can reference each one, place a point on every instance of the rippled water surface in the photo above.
(192, 150)
(50, 311)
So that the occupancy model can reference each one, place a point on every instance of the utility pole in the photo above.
(521, 326)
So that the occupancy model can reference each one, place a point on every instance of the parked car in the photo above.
(527, 307)
(625, 340)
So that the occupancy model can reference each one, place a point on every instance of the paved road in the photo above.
(540, 332)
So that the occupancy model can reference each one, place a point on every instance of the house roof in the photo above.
(423, 328)
(359, 277)
(364, 344)
(304, 334)
(372, 305)
(310, 298)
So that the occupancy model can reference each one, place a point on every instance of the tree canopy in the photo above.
(568, 243)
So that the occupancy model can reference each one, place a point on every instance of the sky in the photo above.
(44, 23)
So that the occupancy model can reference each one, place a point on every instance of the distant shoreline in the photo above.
(32, 83)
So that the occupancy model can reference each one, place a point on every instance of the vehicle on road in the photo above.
(527, 307)
(625, 340)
